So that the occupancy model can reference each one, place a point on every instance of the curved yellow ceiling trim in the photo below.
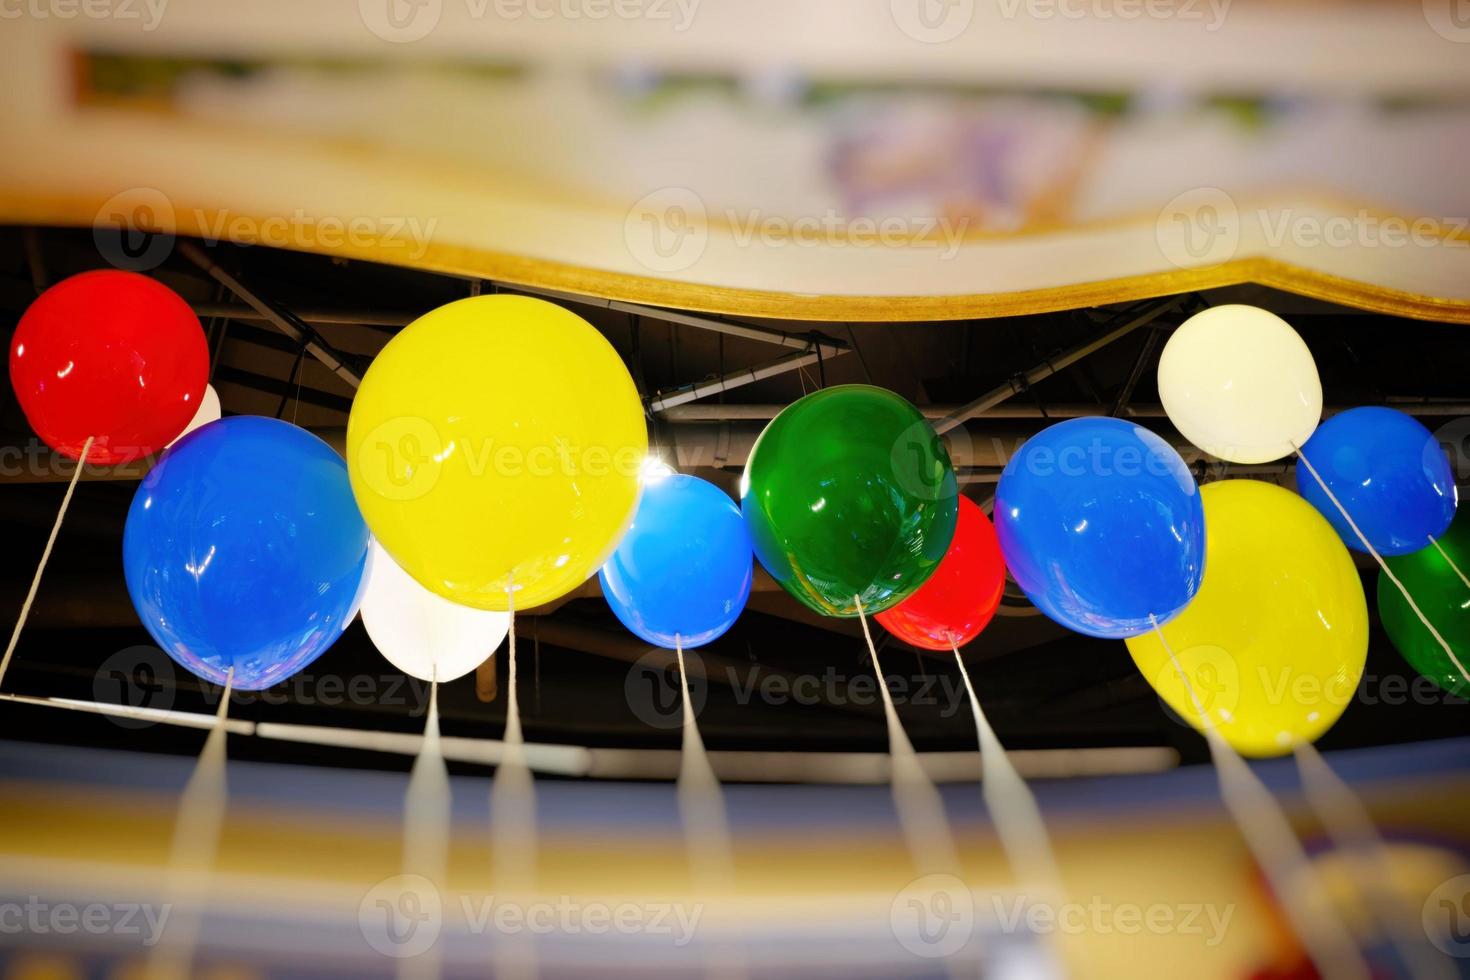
(518, 270)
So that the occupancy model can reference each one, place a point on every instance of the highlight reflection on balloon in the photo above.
(682, 573)
(1101, 525)
(209, 411)
(243, 548)
(849, 493)
(1239, 383)
(421, 633)
(1275, 642)
(1390, 475)
(1443, 598)
(959, 599)
(495, 443)
(111, 355)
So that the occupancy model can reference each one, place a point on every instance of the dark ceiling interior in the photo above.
(1043, 687)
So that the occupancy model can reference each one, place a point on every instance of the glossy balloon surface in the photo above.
(209, 411)
(421, 633)
(1390, 475)
(497, 442)
(1239, 383)
(1275, 642)
(243, 548)
(1443, 597)
(112, 355)
(683, 571)
(849, 493)
(959, 599)
(1101, 525)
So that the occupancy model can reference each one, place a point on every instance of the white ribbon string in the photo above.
(25, 609)
(706, 825)
(1449, 561)
(513, 824)
(1278, 853)
(1351, 828)
(1381, 563)
(426, 830)
(197, 827)
(1012, 805)
(921, 813)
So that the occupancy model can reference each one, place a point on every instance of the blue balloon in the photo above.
(684, 568)
(245, 549)
(1388, 472)
(1102, 525)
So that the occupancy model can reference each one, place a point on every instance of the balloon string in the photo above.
(25, 609)
(196, 835)
(513, 824)
(1353, 833)
(1449, 561)
(426, 823)
(921, 815)
(512, 701)
(1381, 563)
(1278, 853)
(1018, 820)
(701, 801)
(706, 824)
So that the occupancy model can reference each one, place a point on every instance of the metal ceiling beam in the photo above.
(735, 379)
(359, 318)
(286, 322)
(830, 346)
(1051, 366)
(726, 412)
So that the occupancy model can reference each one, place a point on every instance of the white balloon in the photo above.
(1239, 383)
(208, 411)
(418, 631)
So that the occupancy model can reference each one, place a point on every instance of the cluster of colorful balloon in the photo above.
(496, 459)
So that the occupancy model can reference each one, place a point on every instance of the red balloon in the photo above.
(959, 599)
(113, 355)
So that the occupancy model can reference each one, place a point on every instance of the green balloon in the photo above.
(849, 493)
(1444, 600)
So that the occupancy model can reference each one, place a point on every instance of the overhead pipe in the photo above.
(1052, 365)
(735, 379)
(287, 323)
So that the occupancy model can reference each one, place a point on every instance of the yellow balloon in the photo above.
(495, 443)
(1275, 641)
